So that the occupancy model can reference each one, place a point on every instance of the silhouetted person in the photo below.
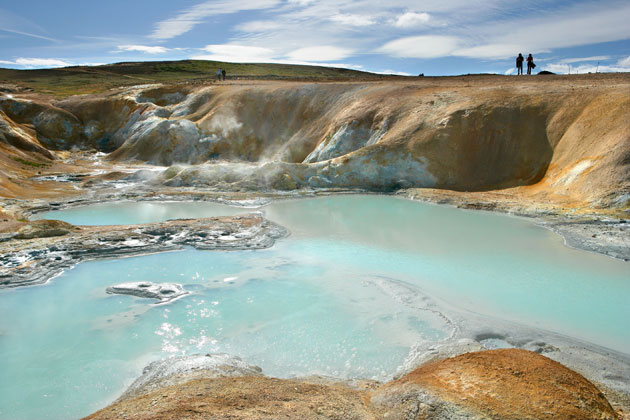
(530, 64)
(519, 63)
(223, 73)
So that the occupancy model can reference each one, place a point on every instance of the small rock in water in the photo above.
(164, 292)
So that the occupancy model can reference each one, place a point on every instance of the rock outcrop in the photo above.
(32, 261)
(179, 370)
(497, 384)
(555, 139)
(43, 229)
(163, 292)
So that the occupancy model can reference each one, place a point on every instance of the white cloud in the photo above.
(236, 53)
(38, 62)
(353, 20)
(563, 68)
(392, 72)
(412, 20)
(585, 59)
(333, 65)
(510, 71)
(189, 18)
(143, 48)
(624, 62)
(259, 26)
(480, 29)
(423, 46)
(492, 51)
(319, 53)
(582, 24)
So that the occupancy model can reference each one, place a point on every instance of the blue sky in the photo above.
(434, 37)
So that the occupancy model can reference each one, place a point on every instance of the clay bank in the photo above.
(556, 149)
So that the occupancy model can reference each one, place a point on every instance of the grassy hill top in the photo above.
(67, 81)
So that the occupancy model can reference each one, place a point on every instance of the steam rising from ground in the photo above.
(372, 136)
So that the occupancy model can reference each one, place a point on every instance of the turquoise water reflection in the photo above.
(314, 303)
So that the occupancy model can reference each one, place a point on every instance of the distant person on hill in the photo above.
(223, 73)
(219, 72)
(519, 63)
(530, 64)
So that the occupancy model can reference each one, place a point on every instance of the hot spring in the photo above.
(360, 284)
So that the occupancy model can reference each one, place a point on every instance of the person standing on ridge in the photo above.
(223, 73)
(519, 63)
(530, 64)
(219, 72)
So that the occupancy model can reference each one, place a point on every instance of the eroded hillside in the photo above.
(558, 139)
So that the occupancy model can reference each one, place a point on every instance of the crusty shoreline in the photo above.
(26, 262)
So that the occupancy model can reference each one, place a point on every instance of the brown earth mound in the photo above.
(249, 397)
(508, 384)
(44, 229)
(498, 384)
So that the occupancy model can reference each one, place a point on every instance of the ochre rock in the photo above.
(44, 229)
(497, 384)
(502, 384)
(553, 139)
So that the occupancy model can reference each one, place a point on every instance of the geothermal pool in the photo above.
(360, 282)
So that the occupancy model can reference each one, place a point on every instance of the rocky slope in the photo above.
(556, 139)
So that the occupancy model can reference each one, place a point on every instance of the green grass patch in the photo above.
(79, 80)
(29, 163)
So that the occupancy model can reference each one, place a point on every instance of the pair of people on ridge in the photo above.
(519, 63)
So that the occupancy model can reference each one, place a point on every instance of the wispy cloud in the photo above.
(353, 20)
(394, 72)
(38, 62)
(259, 26)
(581, 24)
(309, 56)
(479, 29)
(14, 31)
(189, 18)
(144, 48)
(565, 66)
(327, 32)
(320, 53)
(585, 59)
(15, 24)
(489, 51)
(236, 53)
(412, 20)
(584, 68)
(423, 46)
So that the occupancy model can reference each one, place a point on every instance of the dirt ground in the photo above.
(496, 384)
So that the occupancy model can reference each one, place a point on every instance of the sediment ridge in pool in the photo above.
(47, 252)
